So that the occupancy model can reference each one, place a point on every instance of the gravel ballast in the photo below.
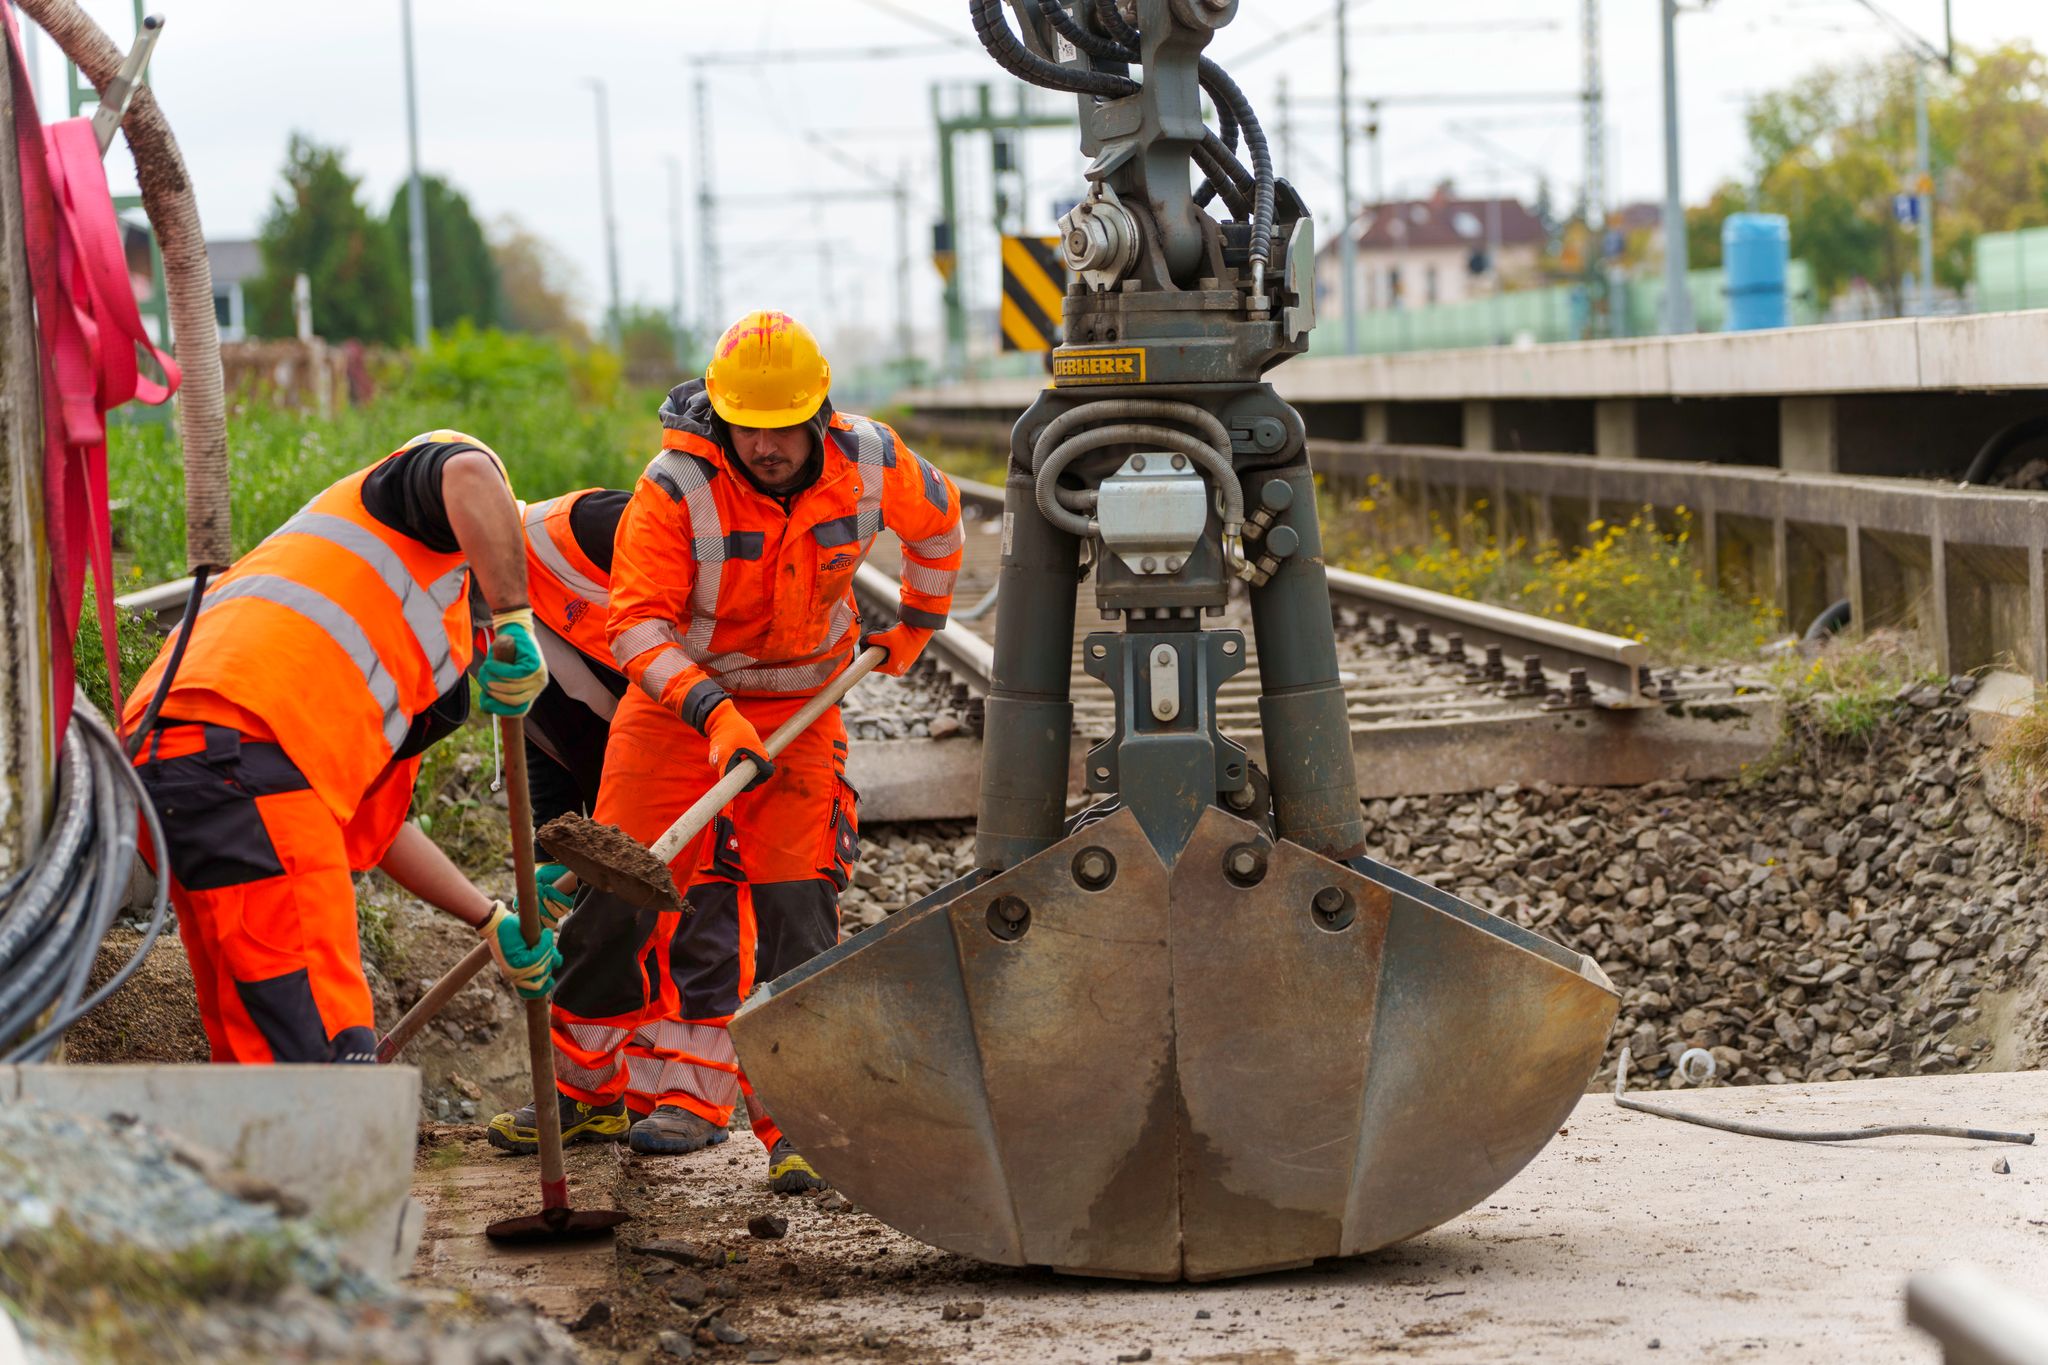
(1847, 914)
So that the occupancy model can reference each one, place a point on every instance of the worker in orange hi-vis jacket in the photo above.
(731, 605)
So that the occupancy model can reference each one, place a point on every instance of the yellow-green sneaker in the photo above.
(519, 1131)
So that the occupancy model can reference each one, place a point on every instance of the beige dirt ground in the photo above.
(1627, 1235)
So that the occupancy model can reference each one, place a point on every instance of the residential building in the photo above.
(1416, 252)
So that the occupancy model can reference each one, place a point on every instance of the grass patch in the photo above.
(119, 1301)
(561, 420)
(136, 640)
(1843, 700)
(453, 801)
(2019, 754)
(1634, 579)
(967, 462)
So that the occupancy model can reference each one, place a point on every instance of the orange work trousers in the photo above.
(644, 996)
(259, 870)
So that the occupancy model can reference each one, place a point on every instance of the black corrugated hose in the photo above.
(55, 912)
(1247, 194)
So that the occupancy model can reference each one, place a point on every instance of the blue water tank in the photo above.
(1756, 252)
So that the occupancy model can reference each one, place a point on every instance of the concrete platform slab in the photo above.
(1629, 1238)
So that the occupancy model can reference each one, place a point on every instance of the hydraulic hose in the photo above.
(1080, 443)
(1011, 55)
(1761, 1130)
(53, 920)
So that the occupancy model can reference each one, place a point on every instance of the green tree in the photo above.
(537, 286)
(463, 275)
(1831, 151)
(648, 346)
(318, 227)
(1703, 224)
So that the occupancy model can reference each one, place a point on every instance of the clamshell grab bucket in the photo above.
(1110, 1066)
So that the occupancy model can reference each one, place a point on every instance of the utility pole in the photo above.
(416, 205)
(708, 304)
(1678, 319)
(611, 223)
(675, 257)
(904, 343)
(1923, 188)
(1286, 126)
(1347, 250)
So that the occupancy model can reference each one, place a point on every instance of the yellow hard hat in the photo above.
(767, 371)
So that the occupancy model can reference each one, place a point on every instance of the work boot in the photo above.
(671, 1130)
(519, 1131)
(789, 1173)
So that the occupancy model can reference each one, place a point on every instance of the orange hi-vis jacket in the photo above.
(717, 590)
(328, 638)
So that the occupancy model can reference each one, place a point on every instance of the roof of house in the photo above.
(1443, 220)
(233, 260)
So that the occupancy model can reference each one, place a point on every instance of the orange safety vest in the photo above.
(571, 596)
(718, 589)
(330, 636)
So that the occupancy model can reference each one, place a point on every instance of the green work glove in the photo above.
(553, 903)
(530, 970)
(509, 687)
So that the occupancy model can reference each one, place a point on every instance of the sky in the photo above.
(802, 150)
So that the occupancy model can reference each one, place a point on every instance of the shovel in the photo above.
(441, 992)
(610, 860)
(639, 875)
(556, 1221)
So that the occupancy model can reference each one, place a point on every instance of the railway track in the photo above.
(1445, 695)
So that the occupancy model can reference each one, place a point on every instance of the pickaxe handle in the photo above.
(687, 827)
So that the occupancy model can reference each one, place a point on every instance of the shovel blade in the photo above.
(611, 860)
(556, 1225)
(1176, 1074)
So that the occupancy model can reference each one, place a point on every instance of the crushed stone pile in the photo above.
(116, 1243)
(1843, 915)
(928, 703)
(900, 865)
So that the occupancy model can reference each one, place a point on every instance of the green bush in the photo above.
(560, 419)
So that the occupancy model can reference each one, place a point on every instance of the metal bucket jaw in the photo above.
(1249, 1060)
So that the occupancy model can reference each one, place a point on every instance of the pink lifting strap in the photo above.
(88, 329)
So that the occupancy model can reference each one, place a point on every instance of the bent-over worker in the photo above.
(322, 664)
(731, 605)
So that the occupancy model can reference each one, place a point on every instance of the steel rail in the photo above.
(1613, 666)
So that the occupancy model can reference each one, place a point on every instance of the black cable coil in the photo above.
(55, 912)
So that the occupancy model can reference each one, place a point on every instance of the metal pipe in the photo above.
(1923, 188)
(1348, 243)
(416, 207)
(611, 222)
(1678, 318)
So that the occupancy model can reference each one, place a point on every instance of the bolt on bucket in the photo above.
(1249, 1059)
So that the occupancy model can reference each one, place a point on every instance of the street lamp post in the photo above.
(1347, 249)
(1678, 319)
(416, 206)
(611, 223)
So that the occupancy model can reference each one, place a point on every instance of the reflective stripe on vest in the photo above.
(542, 540)
(423, 607)
(341, 627)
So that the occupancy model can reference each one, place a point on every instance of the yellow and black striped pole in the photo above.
(1034, 281)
